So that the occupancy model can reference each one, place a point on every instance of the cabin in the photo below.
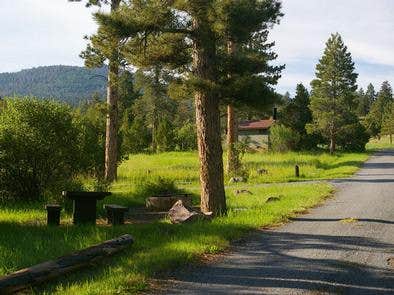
(256, 133)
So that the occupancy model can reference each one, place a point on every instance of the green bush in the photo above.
(91, 119)
(39, 148)
(354, 137)
(283, 138)
(186, 137)
(150, 186)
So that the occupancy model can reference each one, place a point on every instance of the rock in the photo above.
(272, 199)
(242, 191)
(236, 179)
(262, 171)
(179, 213)
(163, 203)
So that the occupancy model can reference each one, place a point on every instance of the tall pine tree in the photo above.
(104, 46)
(252, 35)
(333, 92)
(191, 38)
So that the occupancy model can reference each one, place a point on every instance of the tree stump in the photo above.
(179, 213)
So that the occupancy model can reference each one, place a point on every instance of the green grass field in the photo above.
(380, 144)
(25, 239)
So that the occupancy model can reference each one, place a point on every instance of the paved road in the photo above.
(316, 253)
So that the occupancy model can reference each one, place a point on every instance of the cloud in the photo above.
(44, 32)
(366, 27)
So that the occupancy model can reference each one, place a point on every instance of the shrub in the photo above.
(186, 137)
(155, 185)
(354, 137)
(283, 138)
(164, 136)
(39, 147)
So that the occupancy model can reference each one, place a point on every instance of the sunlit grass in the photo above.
(25, 239)
(380, 144)
(159, 246)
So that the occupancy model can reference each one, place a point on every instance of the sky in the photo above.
(50, 32)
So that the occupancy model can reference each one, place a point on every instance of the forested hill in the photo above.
(68, 83)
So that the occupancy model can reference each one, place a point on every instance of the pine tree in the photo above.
(105, 46)
(191, 38)
(333, 91)
(374, 120)
(371, 94)
(296, 115)
(243, 45)
(388, 122)
(362, 103)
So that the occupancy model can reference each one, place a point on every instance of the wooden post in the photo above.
(43, 272)
(53, 214)
(297, 171)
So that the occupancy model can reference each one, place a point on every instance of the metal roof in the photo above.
(256, 124)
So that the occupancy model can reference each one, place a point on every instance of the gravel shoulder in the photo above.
(345, 246)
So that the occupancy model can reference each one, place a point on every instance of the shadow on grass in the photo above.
(275, 260)
(158, 246)
(327, 166)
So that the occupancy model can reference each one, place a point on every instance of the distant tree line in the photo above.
(67, 83)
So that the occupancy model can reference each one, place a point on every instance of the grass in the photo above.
(380, 144)
(159, 246)
(182, 168)
(25, 239)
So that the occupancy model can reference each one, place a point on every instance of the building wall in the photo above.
(257, 139)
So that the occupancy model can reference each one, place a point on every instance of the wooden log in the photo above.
(179, 213)
(43, 272)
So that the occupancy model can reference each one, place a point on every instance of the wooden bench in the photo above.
(164, 202)
(115, 213)
(84, 205)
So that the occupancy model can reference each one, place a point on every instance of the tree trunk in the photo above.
(233, 163)
(111, 137)
(391, 139)
(332, 145)
(210, 151)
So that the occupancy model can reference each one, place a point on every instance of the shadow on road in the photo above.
(267, 262)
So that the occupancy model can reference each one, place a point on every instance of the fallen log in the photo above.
(43, 272)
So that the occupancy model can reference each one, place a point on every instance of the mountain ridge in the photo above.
(71, 84)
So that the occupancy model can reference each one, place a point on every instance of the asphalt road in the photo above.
(317, 253)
